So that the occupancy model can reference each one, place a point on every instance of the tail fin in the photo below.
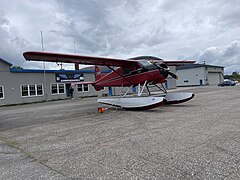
(97, 73)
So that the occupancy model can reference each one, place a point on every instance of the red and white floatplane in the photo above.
(142, 72)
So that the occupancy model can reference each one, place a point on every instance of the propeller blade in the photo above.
(166, 69)
(173, 75)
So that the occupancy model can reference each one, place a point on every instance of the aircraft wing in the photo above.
(71, 58)
(178, 62)
(91, 60)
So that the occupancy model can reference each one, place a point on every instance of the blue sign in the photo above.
(68, 77)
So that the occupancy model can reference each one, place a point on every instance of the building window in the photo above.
(85, 88)
(79, 87)
(61, 88)
(54, 88)
(1, 92)
(32, 90)
(82, 87)
(24, 89)
(58, 88)
(39, 90)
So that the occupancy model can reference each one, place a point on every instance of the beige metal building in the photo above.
(29, 85)
(199, 74)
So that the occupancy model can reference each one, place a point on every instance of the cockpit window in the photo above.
(147, 66)
(145, 63)
(126, 71)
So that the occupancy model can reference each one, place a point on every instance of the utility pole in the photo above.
(44, 71)
(76, 64)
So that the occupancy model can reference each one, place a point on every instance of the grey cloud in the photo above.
(228, 56)
(173, 5)
(232, 50)
(11, 45)
(169, 29)
(231, 17)
(19, 42)
(114, 26)
(4, 22)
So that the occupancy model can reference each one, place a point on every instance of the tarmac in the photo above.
(69, 139)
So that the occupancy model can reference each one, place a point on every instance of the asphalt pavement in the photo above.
(69, 139)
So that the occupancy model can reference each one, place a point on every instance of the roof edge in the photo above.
(190, 66)
(8, 63)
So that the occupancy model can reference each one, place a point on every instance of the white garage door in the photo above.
(213, 78)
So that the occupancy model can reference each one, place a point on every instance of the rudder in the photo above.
(97, 73)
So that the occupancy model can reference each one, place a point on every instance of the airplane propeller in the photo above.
(173, 75)
(164, 68)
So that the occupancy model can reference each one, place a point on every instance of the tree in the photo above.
(235, 73)
(234, 76)
(16, 67)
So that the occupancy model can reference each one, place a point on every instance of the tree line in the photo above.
(235, 76)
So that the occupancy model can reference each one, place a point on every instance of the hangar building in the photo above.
(30, 85)
(199, 75)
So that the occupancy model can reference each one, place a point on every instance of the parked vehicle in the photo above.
(227, 83)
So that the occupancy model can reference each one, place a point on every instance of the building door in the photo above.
(110, 93)
(68, 85)
(213, 78)
(134, 90)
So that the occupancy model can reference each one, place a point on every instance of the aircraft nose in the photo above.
(165, 71)
(173, 75)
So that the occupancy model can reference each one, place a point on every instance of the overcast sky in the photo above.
(206, 30)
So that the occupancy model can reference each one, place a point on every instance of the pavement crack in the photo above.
(16, 146)
(6, 153)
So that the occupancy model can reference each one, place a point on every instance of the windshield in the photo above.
(145, 63)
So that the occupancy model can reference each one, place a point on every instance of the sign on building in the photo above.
(69, 77)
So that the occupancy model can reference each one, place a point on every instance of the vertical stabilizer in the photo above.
(97, 73)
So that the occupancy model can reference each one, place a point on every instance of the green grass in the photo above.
(10, 143)
(15, 145)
